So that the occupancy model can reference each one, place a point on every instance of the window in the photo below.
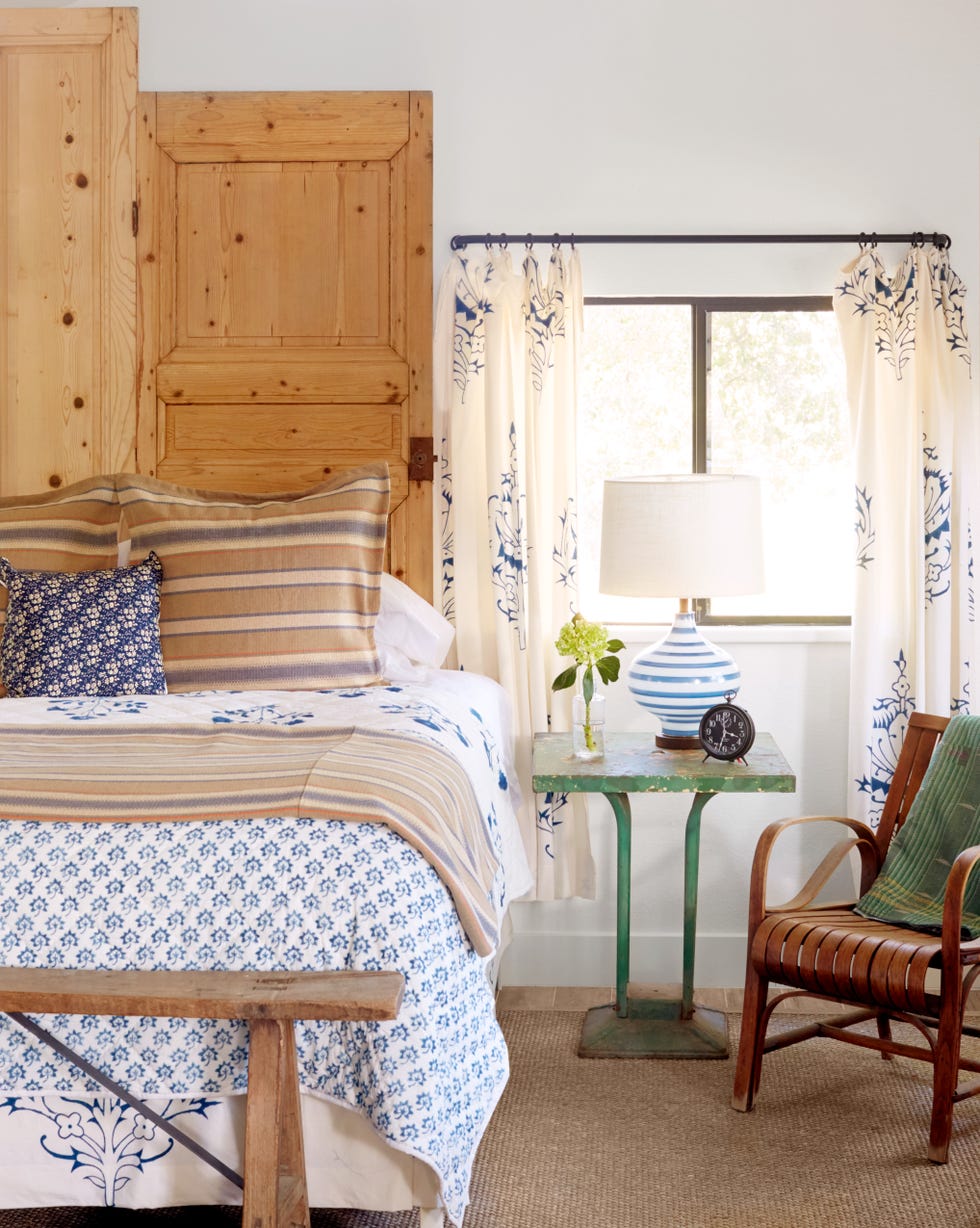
(724, 386)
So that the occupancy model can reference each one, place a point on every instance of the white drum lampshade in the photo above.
(683, 536)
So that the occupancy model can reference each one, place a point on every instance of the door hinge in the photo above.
(421, 459)
(136, 218)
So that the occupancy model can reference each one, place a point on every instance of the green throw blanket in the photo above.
(944, 820)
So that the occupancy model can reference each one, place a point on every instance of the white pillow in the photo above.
(409, 632)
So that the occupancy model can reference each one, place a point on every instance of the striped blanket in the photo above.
(180, 773)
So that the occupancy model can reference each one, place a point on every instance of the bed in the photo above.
(304, 788)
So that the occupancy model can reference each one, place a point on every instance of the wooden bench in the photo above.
(274, 1181)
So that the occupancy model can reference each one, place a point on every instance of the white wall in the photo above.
(646, 116)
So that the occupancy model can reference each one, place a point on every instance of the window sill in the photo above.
(767, 633)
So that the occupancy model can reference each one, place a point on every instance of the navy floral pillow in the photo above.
(83, 633)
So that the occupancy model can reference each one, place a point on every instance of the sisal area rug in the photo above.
(837, 1141)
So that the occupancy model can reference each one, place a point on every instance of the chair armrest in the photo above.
(953, 946)
(862, 839)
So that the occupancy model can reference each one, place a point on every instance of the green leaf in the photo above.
(565, 679)
(608, 668)
(588, 685)
(615, 646)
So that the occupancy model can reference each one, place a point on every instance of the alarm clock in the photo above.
(726, 731)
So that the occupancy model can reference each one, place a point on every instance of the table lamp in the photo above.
(683, 536)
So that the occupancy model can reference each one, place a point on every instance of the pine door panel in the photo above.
(286, 294)
(67, 246)
(256, 270)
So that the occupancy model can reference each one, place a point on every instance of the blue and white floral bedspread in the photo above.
(272, 893)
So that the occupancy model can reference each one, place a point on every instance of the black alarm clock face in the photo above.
(726, 731)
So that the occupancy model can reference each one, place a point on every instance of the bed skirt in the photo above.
(70, 1150)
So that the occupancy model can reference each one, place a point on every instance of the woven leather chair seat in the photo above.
(848, 957)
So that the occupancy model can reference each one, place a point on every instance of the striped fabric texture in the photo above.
(179, 773)
(265, 591)
(944, 820)
(73, 529)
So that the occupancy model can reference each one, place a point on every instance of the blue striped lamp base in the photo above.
(679, 679)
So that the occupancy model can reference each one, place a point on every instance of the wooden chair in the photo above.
(274, 1182)
(830, 952)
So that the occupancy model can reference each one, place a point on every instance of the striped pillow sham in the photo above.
(72, 529)
(265, 592)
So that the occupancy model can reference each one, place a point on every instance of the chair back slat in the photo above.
(921, 736)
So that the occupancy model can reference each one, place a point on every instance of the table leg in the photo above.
(620, 803)
(692, 854)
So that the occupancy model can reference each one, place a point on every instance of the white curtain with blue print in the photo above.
(914, 637)
(505, 401)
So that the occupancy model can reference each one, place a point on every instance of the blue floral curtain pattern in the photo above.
(914, 635)
(505, 399)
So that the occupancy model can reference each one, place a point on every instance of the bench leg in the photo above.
(275, 1168)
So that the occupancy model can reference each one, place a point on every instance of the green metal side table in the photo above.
(637, 1027)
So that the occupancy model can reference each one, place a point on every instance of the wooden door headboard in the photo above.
(285, 295)
(225, 290)
(67, 251)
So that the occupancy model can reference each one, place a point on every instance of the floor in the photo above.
(578, 998)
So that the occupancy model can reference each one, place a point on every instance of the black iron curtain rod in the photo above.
(917, 237)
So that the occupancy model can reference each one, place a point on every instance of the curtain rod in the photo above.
(917, 237)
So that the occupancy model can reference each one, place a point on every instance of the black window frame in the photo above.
(702, 307)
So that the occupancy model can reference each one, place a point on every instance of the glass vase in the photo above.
(588, 727)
